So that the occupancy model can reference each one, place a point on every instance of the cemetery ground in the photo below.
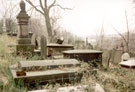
(112, 79)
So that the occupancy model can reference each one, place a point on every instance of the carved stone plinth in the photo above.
(25, 48)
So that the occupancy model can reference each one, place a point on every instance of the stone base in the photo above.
(46, 76)
(24, 48)
(24, 41)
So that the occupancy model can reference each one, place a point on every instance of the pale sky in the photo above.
(88, 16)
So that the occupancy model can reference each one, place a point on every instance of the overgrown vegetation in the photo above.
(114, 79)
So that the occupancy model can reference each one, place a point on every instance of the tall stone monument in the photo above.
(24, 40)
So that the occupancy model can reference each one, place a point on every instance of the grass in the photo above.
(114, 79)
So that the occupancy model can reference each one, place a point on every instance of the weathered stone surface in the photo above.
(98, 88)
(125, 57)
(22, 48)
(73, 89)
(106, 57)
(24, 65)
(58, 48)
(48, 76)
(128, 63)
(81, 51)
(23, 41)
(84, 55)
(43, 50)
(39, 91)
(117, 57)
(81, 88)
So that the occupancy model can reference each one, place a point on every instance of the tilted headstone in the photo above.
(117, 57)
(125, 57)
(106, 57)
(43, 44)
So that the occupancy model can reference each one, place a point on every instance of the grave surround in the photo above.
(57, 74)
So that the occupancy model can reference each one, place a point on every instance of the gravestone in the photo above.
(33, 40)
(117, 57)
(23, 40)
(125, 57)
(43, 43)
(106, 57)
(4, 24)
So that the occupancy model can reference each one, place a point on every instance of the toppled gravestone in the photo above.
(47, 71)
(80, 88)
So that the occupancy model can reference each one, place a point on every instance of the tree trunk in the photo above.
(48, 25)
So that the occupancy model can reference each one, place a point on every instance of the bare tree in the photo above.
(9, 12)
(45, 11)
(126, 38)
(100, 37)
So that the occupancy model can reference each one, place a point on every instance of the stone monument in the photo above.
(43, 43)
(23, 41)
(4, 24)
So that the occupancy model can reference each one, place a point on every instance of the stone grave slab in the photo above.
(54, 45)
(57, 75)
(39, 91)
(24, 65)
(56, 49)
(84, 55)
(80, 88)
(129, 63)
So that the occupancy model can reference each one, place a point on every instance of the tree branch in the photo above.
(120, 34)
(62, 7)
(41, 4)
(50, 6)
(127, 24)
(46, 4)
(34, 7)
